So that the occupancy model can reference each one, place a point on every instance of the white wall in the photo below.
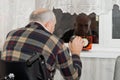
(14, 14)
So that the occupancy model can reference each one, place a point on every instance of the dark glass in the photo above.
(116, 22)
(65, 27)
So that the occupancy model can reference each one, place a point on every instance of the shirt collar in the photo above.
(37, 25)
(41, 25)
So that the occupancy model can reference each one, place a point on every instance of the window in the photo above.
(66, 23)
(116, 22)
(109, 30)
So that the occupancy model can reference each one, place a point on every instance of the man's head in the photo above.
(82, 25)
(45, 17)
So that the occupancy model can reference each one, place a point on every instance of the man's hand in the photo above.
(76, 45)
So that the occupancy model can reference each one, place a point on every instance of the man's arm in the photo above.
(70, 66)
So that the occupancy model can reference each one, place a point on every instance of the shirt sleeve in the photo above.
(69, 66)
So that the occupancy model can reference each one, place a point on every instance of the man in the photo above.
(82, 25)
(37, 37)
(81, 28)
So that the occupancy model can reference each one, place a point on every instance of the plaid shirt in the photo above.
(21, 43)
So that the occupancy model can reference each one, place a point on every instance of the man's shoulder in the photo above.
(15, 30)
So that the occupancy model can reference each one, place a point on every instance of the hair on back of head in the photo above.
(42, 16)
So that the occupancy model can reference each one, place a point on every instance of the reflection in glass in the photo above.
(66, 25)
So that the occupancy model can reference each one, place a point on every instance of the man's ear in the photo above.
(48, 24)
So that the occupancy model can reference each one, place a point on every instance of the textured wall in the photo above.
(14, 14)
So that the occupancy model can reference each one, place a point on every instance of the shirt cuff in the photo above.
(75, 56)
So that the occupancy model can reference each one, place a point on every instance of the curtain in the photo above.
(13, 14)
(79, 6)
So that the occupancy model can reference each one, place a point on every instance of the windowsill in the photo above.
(101, 52)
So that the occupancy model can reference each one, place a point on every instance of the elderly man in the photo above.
(38, 36)
(81, 28)
(84, 26)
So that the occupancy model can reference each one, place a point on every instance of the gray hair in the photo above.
(44, 16)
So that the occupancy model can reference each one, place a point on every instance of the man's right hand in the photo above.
(76, 45)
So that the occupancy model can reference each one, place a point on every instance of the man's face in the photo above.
(82, 27)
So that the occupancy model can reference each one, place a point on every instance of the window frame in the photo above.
(105, 32)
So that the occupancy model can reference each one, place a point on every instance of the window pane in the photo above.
(116, 22)
(66, 24)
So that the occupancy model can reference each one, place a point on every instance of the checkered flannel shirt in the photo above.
(22, 42)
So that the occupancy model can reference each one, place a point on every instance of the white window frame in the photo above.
(105, 32)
